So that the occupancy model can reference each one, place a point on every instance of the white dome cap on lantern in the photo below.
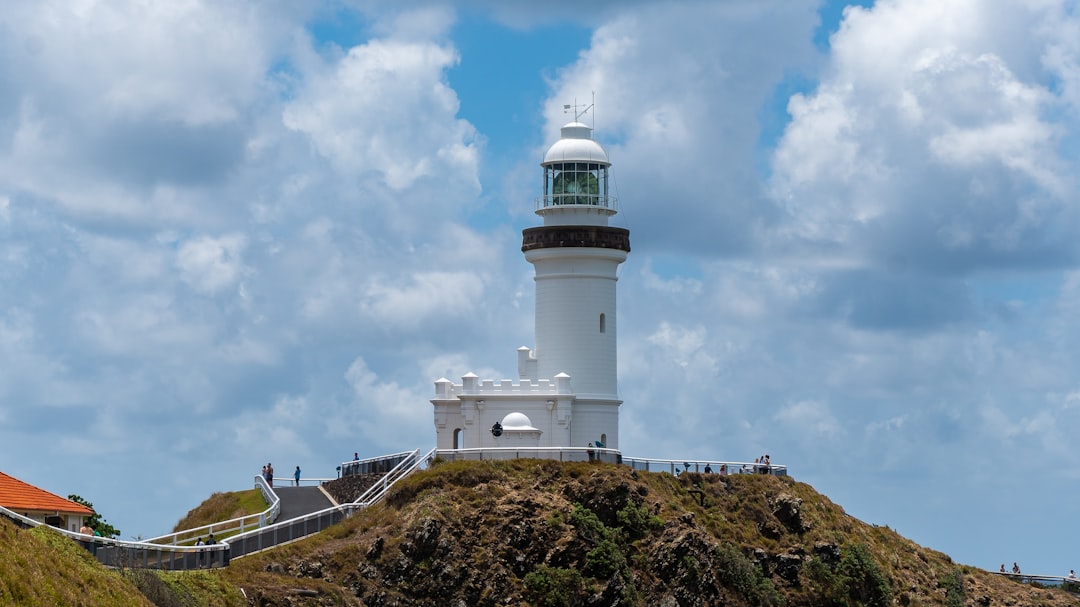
(517, 421)
(576, 145)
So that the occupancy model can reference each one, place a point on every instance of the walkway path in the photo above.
(298, 501)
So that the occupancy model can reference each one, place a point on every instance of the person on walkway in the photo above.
(708, 469)
(592, 454)
(1002, 570)
(1072, 574)
(1016, 568)
(270, 474)
(723, 469)
(88, 530)
(296, 476)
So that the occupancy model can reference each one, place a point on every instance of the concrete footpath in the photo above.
(298, 501)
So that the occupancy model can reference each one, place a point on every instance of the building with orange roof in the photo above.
(40, 505)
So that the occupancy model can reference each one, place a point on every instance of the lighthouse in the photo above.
(566, 394)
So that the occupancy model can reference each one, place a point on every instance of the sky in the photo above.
(256, 231)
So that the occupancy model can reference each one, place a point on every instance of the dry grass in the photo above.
(222, 507)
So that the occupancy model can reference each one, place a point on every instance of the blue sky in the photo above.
(249, 232)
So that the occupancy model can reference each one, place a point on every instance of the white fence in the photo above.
(121, 554)
(231, 526)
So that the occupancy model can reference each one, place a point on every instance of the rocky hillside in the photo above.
(545, 534)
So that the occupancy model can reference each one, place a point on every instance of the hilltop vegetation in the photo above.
(545, 534)
(223, 506)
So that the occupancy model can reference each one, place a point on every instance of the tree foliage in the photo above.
(96, 521)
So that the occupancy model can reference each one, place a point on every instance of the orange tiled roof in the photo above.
(19, 496)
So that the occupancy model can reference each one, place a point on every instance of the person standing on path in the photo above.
(296, 476)
(270, 474)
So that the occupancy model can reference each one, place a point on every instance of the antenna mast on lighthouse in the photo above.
(579, 110)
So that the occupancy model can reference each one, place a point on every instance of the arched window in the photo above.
(603, 323)
(457, 438)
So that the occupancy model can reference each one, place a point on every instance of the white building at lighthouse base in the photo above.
(530, 413)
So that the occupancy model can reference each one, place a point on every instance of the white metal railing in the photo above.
(231, 526)
(562, 454)
(613, 456)
(290, 481)
(1046, 580)
(372, 465)
(121, 553)
(406, 467)
(678, 466)
(286, 531)
(610, 203)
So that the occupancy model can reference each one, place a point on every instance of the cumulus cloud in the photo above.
(931, 142)
(379, 105)
(811, 417)
(211, 264)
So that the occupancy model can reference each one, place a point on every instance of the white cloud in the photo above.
(932, 138)
(385, 108)
(811, 417)
(211, 264)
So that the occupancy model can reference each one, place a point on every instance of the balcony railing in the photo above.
(610, 203)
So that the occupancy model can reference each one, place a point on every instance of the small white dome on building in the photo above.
(576, 145)
(517, 421)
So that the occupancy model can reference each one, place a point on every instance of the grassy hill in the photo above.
(40, 567)
(545, 534)
(223, 506)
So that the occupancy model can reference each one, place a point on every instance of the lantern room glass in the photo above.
(584, 183)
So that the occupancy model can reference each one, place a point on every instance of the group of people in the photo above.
(199, 542)
(1016, 569)
(268, 475)
(762, 465)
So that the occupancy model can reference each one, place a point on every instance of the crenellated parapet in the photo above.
(472, 386)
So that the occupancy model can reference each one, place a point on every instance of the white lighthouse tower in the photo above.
(567, 393)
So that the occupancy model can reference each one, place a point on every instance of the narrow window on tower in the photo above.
(603, 323)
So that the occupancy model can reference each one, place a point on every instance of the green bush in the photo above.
(605, 560)
(954, 589)
(636, 520)
(588, 525)
(856, 581)
(737, 572)
(554, 587)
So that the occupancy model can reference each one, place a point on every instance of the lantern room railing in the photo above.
(610, 203)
